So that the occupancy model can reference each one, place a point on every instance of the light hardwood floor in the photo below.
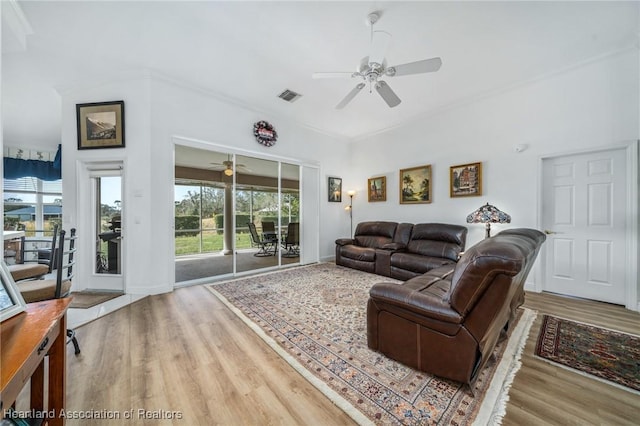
(186, 351)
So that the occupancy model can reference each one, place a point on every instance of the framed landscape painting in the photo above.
(100, 125)
(377, 189)
(465, 180)
(415, 185)
(334, 186)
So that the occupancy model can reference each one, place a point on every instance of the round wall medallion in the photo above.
(265, 133)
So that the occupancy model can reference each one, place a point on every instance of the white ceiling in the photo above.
(251, 51)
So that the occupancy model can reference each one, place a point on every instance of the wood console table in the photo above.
(26, 339)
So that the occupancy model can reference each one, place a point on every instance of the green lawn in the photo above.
(211, 242)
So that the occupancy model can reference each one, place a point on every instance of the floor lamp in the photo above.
(350, 193)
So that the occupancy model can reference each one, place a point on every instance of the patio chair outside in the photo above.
(267, 247)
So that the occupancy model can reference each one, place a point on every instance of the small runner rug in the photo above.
(315, 318)
(89, 299)
(605, 354)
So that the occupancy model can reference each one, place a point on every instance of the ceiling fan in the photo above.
(373, 67)
(227, 166)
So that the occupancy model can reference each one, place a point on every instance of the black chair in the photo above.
(292, 240)
(267, 246)
(269, 231)
(47, 289)
(37, 256)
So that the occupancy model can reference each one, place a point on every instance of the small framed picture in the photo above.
(465, 180)
(11, 301)
(334, 186)
(100, 125)
(415, 185)
(377, 189)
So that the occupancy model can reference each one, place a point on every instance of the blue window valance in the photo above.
(15, 168)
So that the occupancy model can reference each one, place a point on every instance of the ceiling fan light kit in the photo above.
(373, 68)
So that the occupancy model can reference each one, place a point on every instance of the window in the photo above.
(32, 204)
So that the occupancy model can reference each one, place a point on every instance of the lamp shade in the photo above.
(488, 214)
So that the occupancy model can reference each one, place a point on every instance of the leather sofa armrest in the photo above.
(394, 246)
(409, 299)
(345, 241)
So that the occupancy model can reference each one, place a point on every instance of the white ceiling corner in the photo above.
(15, 27)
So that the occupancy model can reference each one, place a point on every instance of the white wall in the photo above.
(141, 274)
(156, 111)
(188, 112)
(592, 106)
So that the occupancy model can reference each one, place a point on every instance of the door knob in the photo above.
(550, 232)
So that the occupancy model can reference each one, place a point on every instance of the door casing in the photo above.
(631, 212)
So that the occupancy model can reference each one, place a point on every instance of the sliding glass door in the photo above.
(233, 213)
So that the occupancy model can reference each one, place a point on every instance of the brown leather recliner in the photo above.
(359, 252)
(430, 246)
(448, 321)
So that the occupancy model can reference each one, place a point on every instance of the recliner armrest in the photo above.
(345, 241)
(394, 246)
(415, 301)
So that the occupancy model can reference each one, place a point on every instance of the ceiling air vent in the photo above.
(289, 95)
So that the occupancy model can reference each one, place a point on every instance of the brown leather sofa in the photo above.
(447, 322)
(401, 250)
(430, 246)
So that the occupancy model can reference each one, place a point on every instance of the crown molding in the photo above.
(468, 100)
(17, 25)
(152, 75)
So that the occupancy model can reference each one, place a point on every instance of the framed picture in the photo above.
(11, 301)
(415, 185)
(465, 180)
(335, 189)
(377, 189)
(100, 125)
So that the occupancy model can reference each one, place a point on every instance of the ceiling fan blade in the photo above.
(317, 75)
(387, 94)
(418, 67)
(379, 44)
(352, 94)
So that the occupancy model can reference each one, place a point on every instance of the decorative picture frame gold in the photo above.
(465, 180)
(416, 185)
(100, 125)
(377, 189)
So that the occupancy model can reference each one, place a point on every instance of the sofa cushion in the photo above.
(374, 234)
(364, 254)
(437, 240)
(421, 295)
(416, 262)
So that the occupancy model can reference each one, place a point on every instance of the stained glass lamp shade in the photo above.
(488, 214)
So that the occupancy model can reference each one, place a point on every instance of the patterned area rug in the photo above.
(605, 354)
(315, 318)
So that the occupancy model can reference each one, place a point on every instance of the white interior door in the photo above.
(584, 215)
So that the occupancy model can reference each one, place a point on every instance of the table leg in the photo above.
(37, 388)
(57, 365)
